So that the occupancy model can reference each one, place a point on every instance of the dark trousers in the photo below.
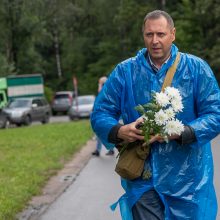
(148, 207)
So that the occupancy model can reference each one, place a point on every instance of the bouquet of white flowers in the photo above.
(159, 115)
(159, 118)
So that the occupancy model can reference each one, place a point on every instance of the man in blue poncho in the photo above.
(181, 186)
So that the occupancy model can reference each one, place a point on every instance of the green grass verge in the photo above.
(30, 155)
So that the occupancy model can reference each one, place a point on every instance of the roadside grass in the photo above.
(30, 155)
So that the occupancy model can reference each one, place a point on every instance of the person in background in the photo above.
(101, 82)
(181, 186)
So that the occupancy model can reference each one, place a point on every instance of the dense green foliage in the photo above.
(62, 38)
(30, 155)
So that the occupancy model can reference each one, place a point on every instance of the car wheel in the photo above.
(2, 123)
(71, 118)
(46, 119)
(27, 120)
(54, 112)
(74, 118)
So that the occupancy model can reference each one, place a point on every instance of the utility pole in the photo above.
(57, 49)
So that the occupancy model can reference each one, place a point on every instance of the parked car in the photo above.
(25, 110)
(82, 107)
(61, 102)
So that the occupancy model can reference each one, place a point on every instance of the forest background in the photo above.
(84, 38)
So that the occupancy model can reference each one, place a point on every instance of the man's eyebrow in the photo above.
(157, 32)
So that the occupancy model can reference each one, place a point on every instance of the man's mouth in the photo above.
(156, 48)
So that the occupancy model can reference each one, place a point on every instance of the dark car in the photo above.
(82, 107)
(61, 102)
(25, 110)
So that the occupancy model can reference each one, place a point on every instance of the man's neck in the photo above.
(157, 64)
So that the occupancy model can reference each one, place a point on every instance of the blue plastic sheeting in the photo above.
(181, 174)
(126, 213)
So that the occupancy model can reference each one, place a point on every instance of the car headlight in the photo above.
(18, 113)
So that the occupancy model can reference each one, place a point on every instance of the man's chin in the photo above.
(156, 56)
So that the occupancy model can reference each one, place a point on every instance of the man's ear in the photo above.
(173, 32)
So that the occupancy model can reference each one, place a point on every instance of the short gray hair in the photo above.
(157, 14)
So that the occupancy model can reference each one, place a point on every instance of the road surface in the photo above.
(89, 196)
(216, 155)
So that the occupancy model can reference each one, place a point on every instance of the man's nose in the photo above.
(155, 39)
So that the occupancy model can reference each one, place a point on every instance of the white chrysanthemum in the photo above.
(177, 105)
(177, 98)
(160, 117)
(174, 127)
(170, 113)
(173, 93)
(162, 99)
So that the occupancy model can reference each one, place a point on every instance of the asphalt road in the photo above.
(53, 119)
(97, 187)
(91, 194)
(216, 155)
(59, 118)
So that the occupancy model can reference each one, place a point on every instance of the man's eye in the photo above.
(149, 35)
(161, 34)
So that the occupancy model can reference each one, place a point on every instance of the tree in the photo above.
(198, 29)
(85, 38)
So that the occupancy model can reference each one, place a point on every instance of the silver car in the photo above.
(25, 110)
(61, 102)
(82, 107)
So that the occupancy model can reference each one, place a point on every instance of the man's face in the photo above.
(158, 38)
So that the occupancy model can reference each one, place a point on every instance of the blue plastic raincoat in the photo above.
(181, 174)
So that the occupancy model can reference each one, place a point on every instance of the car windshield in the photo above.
(84, 100)
(62, 96)
(19, 103)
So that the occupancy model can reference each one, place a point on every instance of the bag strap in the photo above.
(170, 73)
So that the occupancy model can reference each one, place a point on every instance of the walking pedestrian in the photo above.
(181, 186)
(98, 149)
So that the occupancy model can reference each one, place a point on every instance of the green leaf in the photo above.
(140, 109)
